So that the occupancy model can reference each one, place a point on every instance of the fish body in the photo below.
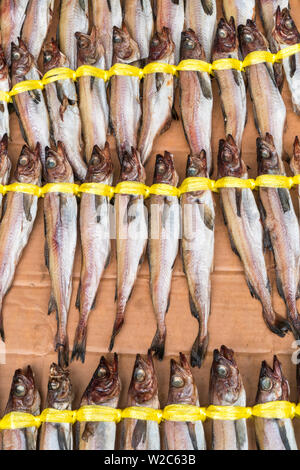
(295, 162)
(226, 389)
(36, 25)
(30, 106)
(24, 398)
(58, 436)
(74, 17)
(12, 16)
(286, 34)
(240, 10)
(158, 95)
(60, 214)
(243, 221)
(125, 107)
(231, 82)
(281, 230)
(196, 100)
(4, 86)
(164, 228)
(103, 390)
(106, 15)
(197, 247)
(95, 242)
(138, 18)
(5, 166)
(64, 111)
(183, 391)
(170, 14)
(201, 17)
(93, 103)
(273, 434)
(139, 434)
(18, 220)
(131, 236)
(268, 105)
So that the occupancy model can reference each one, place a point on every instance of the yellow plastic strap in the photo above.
(194, 65)
(288, 51)
(27, 85)
(90, 71)
(164, 190)
(259, 57)
(132, 188)
(197, 184)
(227, 64)
(98, 189)
(160, 67)
(60, 73)
(183, 413)
(228, 413)
(275, 409)
(51, 415)
(125, 70)
(4, 96)
(230, 182)
(22, 188)
(99, 414)
(296, 179)
(147, 414)
(68, 188)
(274, 181)
(18, 420)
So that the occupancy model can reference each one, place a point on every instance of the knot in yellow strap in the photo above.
(51, 415)
(18, 420)
(184, 413)
(68, 188)
(142, 413)
(99, 414)
(164, 190)
(133, 188)
(230, 182)
(99, 189)
(275, 410)
(5, 96)
(274, 181)
(228, 413)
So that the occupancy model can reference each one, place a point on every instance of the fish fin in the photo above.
(284, 199)
(159, 81)
(27, 203)
(267, 237)
(119, 321)
(52, 307)
(107, 262)
(208, 217)
(98, 203)
(174, 113)
(62, 348)
(279, 326)
(192, 433)
(279, 75)
(241, 436)
(61, 438)
(205, 85)
(158, 343)
(193, 308)
(223, 213)
(208, 6)
(293, 65)
(79, 347)
(77, 302)
(82, 4)
(232, 244)
(167, 125)
(252, 290)
(109, 4)
(199, 351)
(46, 254)
(35, 96)
(139, 433)
(283, 434)
(2, 334)
(237, 77)
(238, 200)
(63, 107)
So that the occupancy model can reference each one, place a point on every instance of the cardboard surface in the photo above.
(236, 318)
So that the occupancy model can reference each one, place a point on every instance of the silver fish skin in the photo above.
(24, 398)
(93, 105)
(231, 82)
(240, 10)
(286, 34)
(226, 389)
(106, 15)
(39, 15)
(295, 162)
(5, 166)
(158, 95)
(4, 86)
(273, 434)
(74, 17)
(197, 249)
(125, 106)
(138, 17)
(282, 231)
(196, 100)
(30, 107)
(170, 14)
(131, 236)
(164, 231)
(139, 434)
(201, 17)
(58, 436)
(95, 243)
(104, 389)
(268, 105)
(12, 16)
(183, 391)
(60, 214)
(64, 111)
(18, 220)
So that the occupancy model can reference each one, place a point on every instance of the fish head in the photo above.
(225, 380)
(131, 167)
(53, 57)
(285, 31)
(251, 39)
(126, 49)
(143, 385)
(226, 39)
(105, 384)
(165, 172)
(267, 156)
(58, 168)
(272, 385)
(100, 166)
(161, 45)
(197, 165)
(295, 160)
(230, 161)
(190, 46)
(182, 388)
(60, 393)
(5, 164)
(29, 167)
(21, 59)
(3, 65)
(89, 48)
(24, 396)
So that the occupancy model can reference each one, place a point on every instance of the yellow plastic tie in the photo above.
(68, 188)
(22, 188)
(133, 188)
(288, 51)
(227, 64)
(99, 189)
(228, 413)
(159, 67)
(142, 413)
(126, 70)
(51, 415)
(27, 85)
(90, 71)
(60, 73)
(193, 65)
(192, 184)
(230, 182)
(259, 57)
(296, 179)
(275, 410)
(184, 413)
(99, 414)
(18, 420)
(274, 181)
(164, 190)
(5, 96)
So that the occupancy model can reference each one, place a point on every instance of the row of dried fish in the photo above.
(226, 389)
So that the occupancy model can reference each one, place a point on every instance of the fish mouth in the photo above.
(100, 166)
(165, 172)
(224, 354)
(285, 26)
(190, 46)
(227, 43)
(182, 367)
(197, 165)
(31, 171)
(229, 158)
(161, 45)
(274, 372)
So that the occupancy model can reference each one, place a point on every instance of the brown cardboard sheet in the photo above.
(236, 318)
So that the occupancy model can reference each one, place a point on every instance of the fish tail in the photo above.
(79, 347)
(199, 350)
(158, 343)
(62, 349)
(116, 330)
(280, 326)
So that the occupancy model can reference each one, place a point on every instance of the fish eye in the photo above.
(177, 381)
(51, 162)
(266, 383)
(264, 153)
(189, 44)
(16, 55)
(117, 39)
(221, 371)
(81, 43)
(160, 168)
(248, 37)
(222, 33)
(23, 161)
(155, 42)
(289, 23)
(95, 161)
(47, 57)
(102, 372)
(227, 157)
(140, 375)
(53, 385)
(19, 390)
(193, 171)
